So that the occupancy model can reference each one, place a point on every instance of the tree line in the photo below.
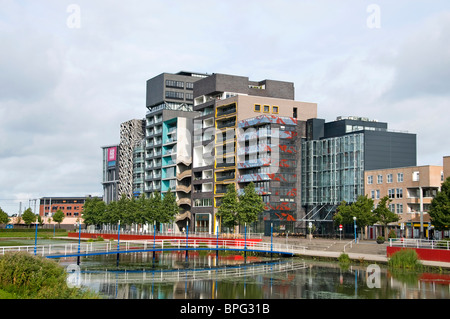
(29, 217)
(140, 210)
(366, 215)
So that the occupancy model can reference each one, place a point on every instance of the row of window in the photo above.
(179, 95)
(55, 208)
(179, 84)
(392, 193)
(266, 108)
(205, 202)
(389, 178)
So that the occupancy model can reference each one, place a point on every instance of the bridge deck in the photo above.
(105, 248)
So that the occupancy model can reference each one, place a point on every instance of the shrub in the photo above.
(392, 234)
(344, 258)
(28, 276)
(405, 259)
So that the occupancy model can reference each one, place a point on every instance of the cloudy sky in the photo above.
(72, 71)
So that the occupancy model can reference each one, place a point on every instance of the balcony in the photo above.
(183, 188)
(227, 110)
(184, 201)
(226, 123)
(225, 177)
(186, 173)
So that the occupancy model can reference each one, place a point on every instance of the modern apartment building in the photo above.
(335, 156)
(168, 129)
(132, 134)
(123, 165)
(233, 144)
(411, 190)
(110, 172)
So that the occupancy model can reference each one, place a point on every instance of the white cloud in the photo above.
(64, 92)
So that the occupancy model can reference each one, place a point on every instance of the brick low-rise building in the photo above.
(411, 190)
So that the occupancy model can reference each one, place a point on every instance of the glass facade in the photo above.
(332, 170)
(267, 157)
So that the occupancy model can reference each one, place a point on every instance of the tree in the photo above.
(28, 216)
(250, 205)
(229, 208)
(93, 211)
(440, 207)
(58, 217)
(112, 213)
(169, 208)
(4, 219)
(126, 210)
(383, 215)
(153, 208)
(361, 209)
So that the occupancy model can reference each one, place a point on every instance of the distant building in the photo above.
(70, 206)
(411, 190)
(110, 172)
(335, 156)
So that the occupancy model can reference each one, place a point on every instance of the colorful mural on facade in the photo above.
(261, 119)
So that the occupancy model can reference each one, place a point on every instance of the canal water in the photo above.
(203, 276)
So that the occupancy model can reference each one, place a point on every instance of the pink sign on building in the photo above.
(112, 154)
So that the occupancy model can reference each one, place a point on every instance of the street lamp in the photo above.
(79, 242)
(354, 224)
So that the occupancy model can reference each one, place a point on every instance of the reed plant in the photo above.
(405, 259)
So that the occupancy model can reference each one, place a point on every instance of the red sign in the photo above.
(112, 154)
(340, 227)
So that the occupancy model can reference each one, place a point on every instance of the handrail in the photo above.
(61, 250)
(419, 243)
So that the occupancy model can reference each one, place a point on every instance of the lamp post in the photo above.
(245, 240)
(154, 240)
(35, 240)
(118, 242)
(271, 239)
(354, 225)
(187, 238)
(79, 242)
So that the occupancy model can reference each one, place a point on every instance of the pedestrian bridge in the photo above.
(84, 249)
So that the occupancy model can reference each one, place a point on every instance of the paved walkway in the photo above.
(367, 250)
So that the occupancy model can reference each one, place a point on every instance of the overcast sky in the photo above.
(72, 71)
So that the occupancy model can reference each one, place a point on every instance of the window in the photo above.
(399, 208)
(378, 194)
(275, 109)
(399, 192)
(400, 177)
(415, 176)
(373, 194)
(205, 202)
(257, 108)
(294, 113)
(391, 192)
(392, 207)
(189, 85)
(370, 180)
(174, 95)
(389, 178)
(266, 108)
(380, 179)
(175, 84)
